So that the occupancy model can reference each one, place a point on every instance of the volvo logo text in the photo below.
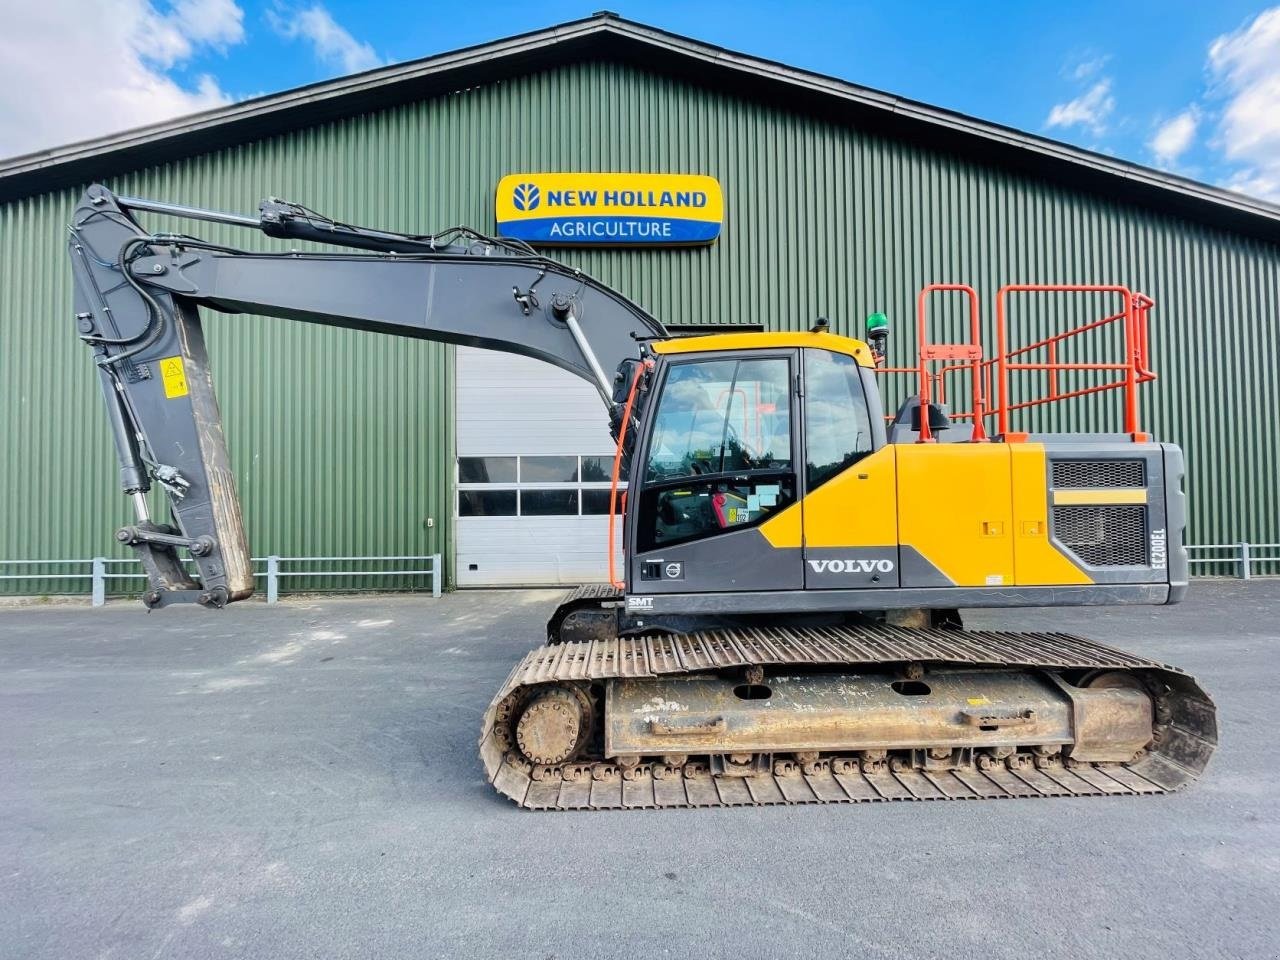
(852, 566)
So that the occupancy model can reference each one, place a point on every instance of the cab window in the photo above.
(722, 416)
(837, 423)
(720, 456)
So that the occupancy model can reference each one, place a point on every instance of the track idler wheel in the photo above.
(554, 726)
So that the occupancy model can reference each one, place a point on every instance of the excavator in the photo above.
(784, 627)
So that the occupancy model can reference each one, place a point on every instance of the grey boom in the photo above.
(136, 299)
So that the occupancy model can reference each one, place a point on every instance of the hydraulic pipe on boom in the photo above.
(137, 293)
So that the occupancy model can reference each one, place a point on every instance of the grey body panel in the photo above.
(851, 568)
(916, 570)
(734, 561)
(1109, 448)
(1175, 505)
(940, 598)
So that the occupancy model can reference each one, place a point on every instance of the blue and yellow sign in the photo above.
(601, 209)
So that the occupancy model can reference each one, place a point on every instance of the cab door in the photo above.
(720, 463)
(850, 479)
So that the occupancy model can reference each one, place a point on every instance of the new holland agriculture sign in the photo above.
(624, 209)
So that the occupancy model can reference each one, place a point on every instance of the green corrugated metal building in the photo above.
(840, 201)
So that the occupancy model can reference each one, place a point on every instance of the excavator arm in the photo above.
(136, 300)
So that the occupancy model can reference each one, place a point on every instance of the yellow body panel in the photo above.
(767, 341)
(783, 529)
(856, 508)
(1102, 495)
(1036, 560)
(978, 512)
(955, 509)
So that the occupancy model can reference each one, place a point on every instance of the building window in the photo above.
(535, 486)
(599, 470)
(486, 469)
(548, 503)
(548, 469)
(596, 502)
(487, 503)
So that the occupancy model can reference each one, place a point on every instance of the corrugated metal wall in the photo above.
(342, 443)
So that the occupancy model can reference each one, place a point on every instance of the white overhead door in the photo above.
(534, 462)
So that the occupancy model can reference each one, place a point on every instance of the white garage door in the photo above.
(534, 461)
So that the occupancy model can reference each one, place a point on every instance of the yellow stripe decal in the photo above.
(836, 343)
(1109, 495)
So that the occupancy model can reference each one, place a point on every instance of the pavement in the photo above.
(302, 781)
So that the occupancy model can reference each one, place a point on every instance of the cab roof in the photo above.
(767, 341)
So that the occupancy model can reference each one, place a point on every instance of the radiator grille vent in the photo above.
(1106, 536)
(1099, 473)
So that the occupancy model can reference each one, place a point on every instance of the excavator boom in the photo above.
(136, 299)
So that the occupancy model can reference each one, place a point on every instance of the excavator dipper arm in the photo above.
(136, 299)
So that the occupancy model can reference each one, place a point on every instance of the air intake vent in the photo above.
(1107, 536)
(1099, 473)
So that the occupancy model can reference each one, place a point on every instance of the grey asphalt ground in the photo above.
(302, 781)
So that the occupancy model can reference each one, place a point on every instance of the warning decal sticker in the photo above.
(174, 377)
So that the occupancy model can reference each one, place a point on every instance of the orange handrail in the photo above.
(617, 468)
(929, 352)
(1134, 368)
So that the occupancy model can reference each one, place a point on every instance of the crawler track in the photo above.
(1185, 732)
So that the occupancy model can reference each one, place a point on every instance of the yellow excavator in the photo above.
(785, 625)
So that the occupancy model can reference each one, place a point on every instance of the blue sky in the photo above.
(1190, 87)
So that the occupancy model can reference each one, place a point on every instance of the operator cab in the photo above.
(738, 429)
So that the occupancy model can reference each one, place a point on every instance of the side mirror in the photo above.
(878, 335)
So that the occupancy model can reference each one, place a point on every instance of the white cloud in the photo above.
(1246, 68)
(1088, 67)
(76, 69)
(1257, 182)
(332, 43)
(1089, 110)
(216, 22)
(1174, 137)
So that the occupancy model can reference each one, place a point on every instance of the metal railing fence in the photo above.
(1242, 556)
(268, 572)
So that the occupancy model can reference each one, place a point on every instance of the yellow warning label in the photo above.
(978, 701)
(174, 377)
